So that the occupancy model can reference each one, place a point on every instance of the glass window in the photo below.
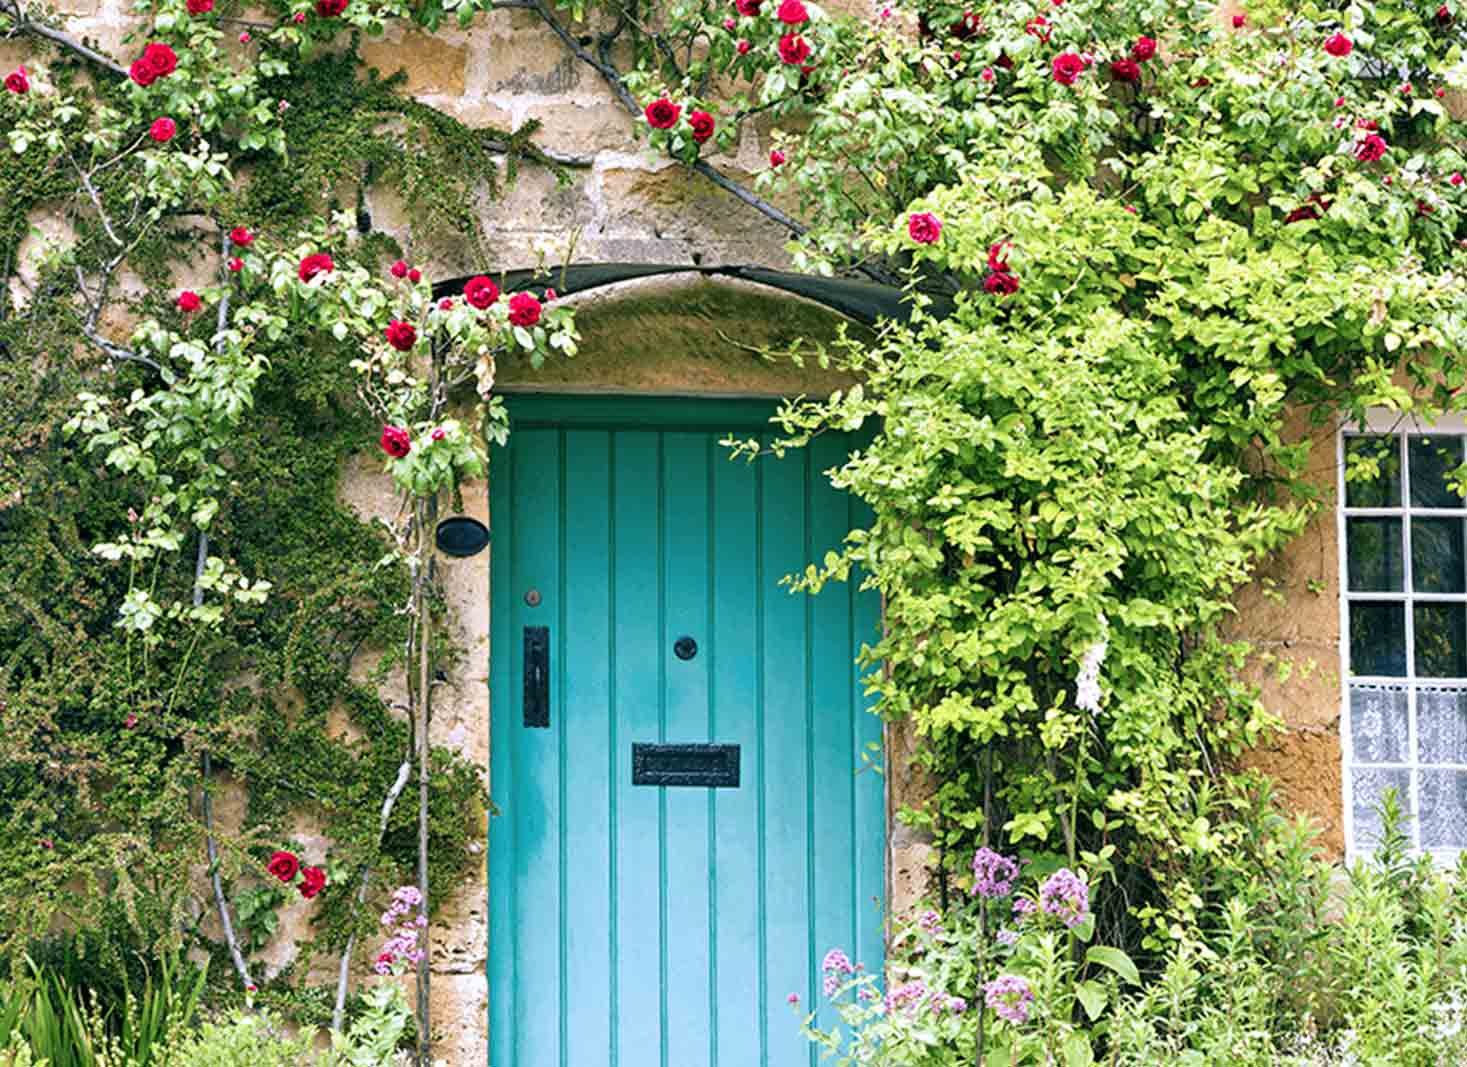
(1404, 573)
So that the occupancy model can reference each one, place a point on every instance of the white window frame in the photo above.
(1383, 421)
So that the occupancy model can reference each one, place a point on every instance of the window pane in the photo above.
(1368, 786)
(1430, 459)
(1436, 555)
(1443, 809)
(1441, 725)
(1441, 640)
(1378, 639)
(1383, 490)
(1373, 547)
(1378, 724)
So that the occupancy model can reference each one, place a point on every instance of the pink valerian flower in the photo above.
(1024, 906)
(1007, 937)
(1065, 896)
(1009, 996)
(836, 967)
(993, 874)
(924, 227)
(908, 996)
(930, 922)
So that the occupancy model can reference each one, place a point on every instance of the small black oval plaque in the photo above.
(461, 536)
(685, 648)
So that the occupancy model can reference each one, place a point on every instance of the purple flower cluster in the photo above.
(836, 966)
(1024, 906)
(402, 946)
(1065, 896)
(907, 996)
(1010, 997)
(1007, 937)
(993, 874)
(930, 922)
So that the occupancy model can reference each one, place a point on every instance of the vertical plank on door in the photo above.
(833, 784)
(869, 820)
(504, 664)
(637, 703)
(584, 645)
(736, 666)
(539, 468)
(685, 826)
(785, 844)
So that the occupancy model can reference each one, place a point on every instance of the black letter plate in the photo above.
(710, 766)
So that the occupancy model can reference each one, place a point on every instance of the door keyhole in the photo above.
(685, 647)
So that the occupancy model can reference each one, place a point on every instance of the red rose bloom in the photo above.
(794, 49)
(1371, 149)
(1125, 70)
(160, 59)
(1444, 15)
(1239, 21)
(163, 129)
(1004, 61)
(1143, 49)
(438, 434)
(319, 263)
(743, 47)
(330, 8)
(1001, 283)
(235, 264)
(446, 304)
(241, 236)
(792, 13)
(188, 300)
(396, 441)
(998, 256)
(776, 157)
(1456, 179)
(313, 880)
(398, 269)
(415, 275)
(1066, 67)
(1038, 26)
(480, 292)
(924, 227)
(524, 309)
(200, 7)
(702, 124)
(1338, 45)
(141, 73)
(662, 114)
(17, 82)
(749, 8)
(1314, 206)
(967, 27)
(401, 335)
(284, 865)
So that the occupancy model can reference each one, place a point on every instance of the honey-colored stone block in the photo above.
(433, 63)
(1306, 769)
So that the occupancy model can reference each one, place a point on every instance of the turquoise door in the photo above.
(638, 924)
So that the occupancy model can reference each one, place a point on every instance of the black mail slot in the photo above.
(710, 766)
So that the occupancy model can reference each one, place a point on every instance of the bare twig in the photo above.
(208, 805)
(25, 24)
(343, 970)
